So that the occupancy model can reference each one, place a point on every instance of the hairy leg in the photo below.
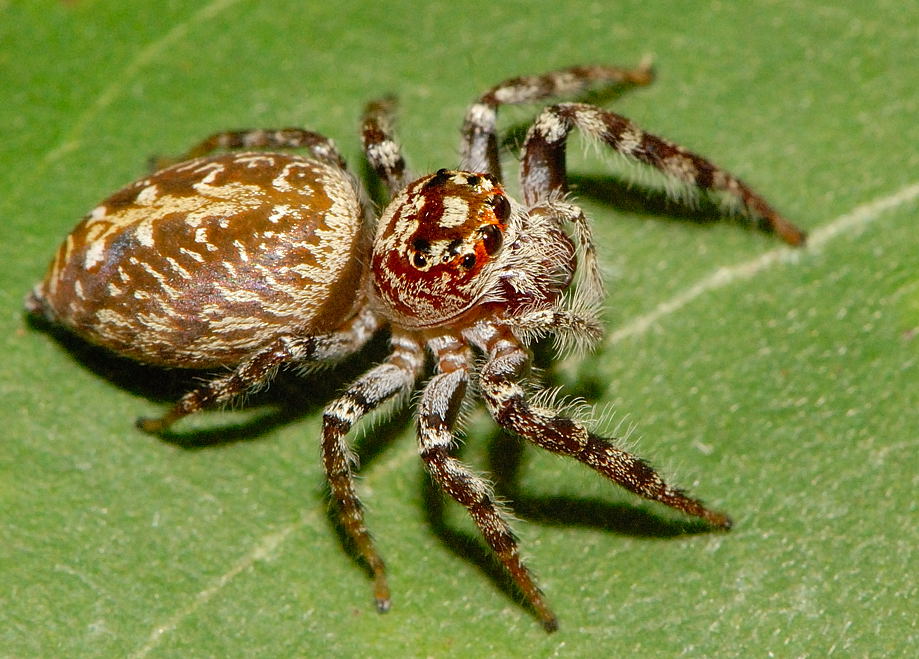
(258, 369)
(380, 146)
(543, 172)
(506, 363)
(394, 376)
(438, 409)
(322, 148)
(479, 147)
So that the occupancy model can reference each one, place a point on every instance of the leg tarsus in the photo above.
(155, 425)
(381, 597)
(636, 475)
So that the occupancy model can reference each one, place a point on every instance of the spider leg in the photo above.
(506, 362)
(380, 146)
(258, 369)
(438, 409)
(396, 375)
(479, 147)
(322, 148)
(543, 169)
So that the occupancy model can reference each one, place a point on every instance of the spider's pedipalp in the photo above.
(395, 376)
(258, 369)
(543, 170)
(590, 279)
(576, 328)
(380, 146)
(479, 146)
(506, 400)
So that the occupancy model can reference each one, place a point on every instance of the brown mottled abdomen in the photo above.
(204, 262)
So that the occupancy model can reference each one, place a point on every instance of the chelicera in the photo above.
(257, 260)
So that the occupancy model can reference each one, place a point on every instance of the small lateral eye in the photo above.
(418, 260)
(468, 261)
(501, 207)
(439, 178)
(491, 238)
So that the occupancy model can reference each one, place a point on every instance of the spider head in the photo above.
(436, 245)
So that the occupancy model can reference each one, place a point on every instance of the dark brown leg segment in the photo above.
(393, 377)
(437, 411)
(543, 169)
(480, 138)
(507, 403)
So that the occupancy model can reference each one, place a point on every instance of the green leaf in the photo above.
(780, 386)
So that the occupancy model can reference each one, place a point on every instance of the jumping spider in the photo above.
(258, 260)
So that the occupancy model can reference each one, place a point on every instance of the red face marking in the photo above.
(435, 243)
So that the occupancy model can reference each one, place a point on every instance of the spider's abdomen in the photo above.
(206, 261)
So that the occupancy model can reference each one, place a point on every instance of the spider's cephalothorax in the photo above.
(439, 256)
(256, 260)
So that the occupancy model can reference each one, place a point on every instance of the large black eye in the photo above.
(501, 206)
(422, 247)
(491, 238)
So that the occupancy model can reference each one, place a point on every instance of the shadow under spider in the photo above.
(288, 397)
(505, 461)
(626, 197)
(294, 396)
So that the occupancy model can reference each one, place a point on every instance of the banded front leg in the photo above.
(506, 363)
(590, 279)
(543, 175)
(438, 409)
(395, 376)
(479, 147)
